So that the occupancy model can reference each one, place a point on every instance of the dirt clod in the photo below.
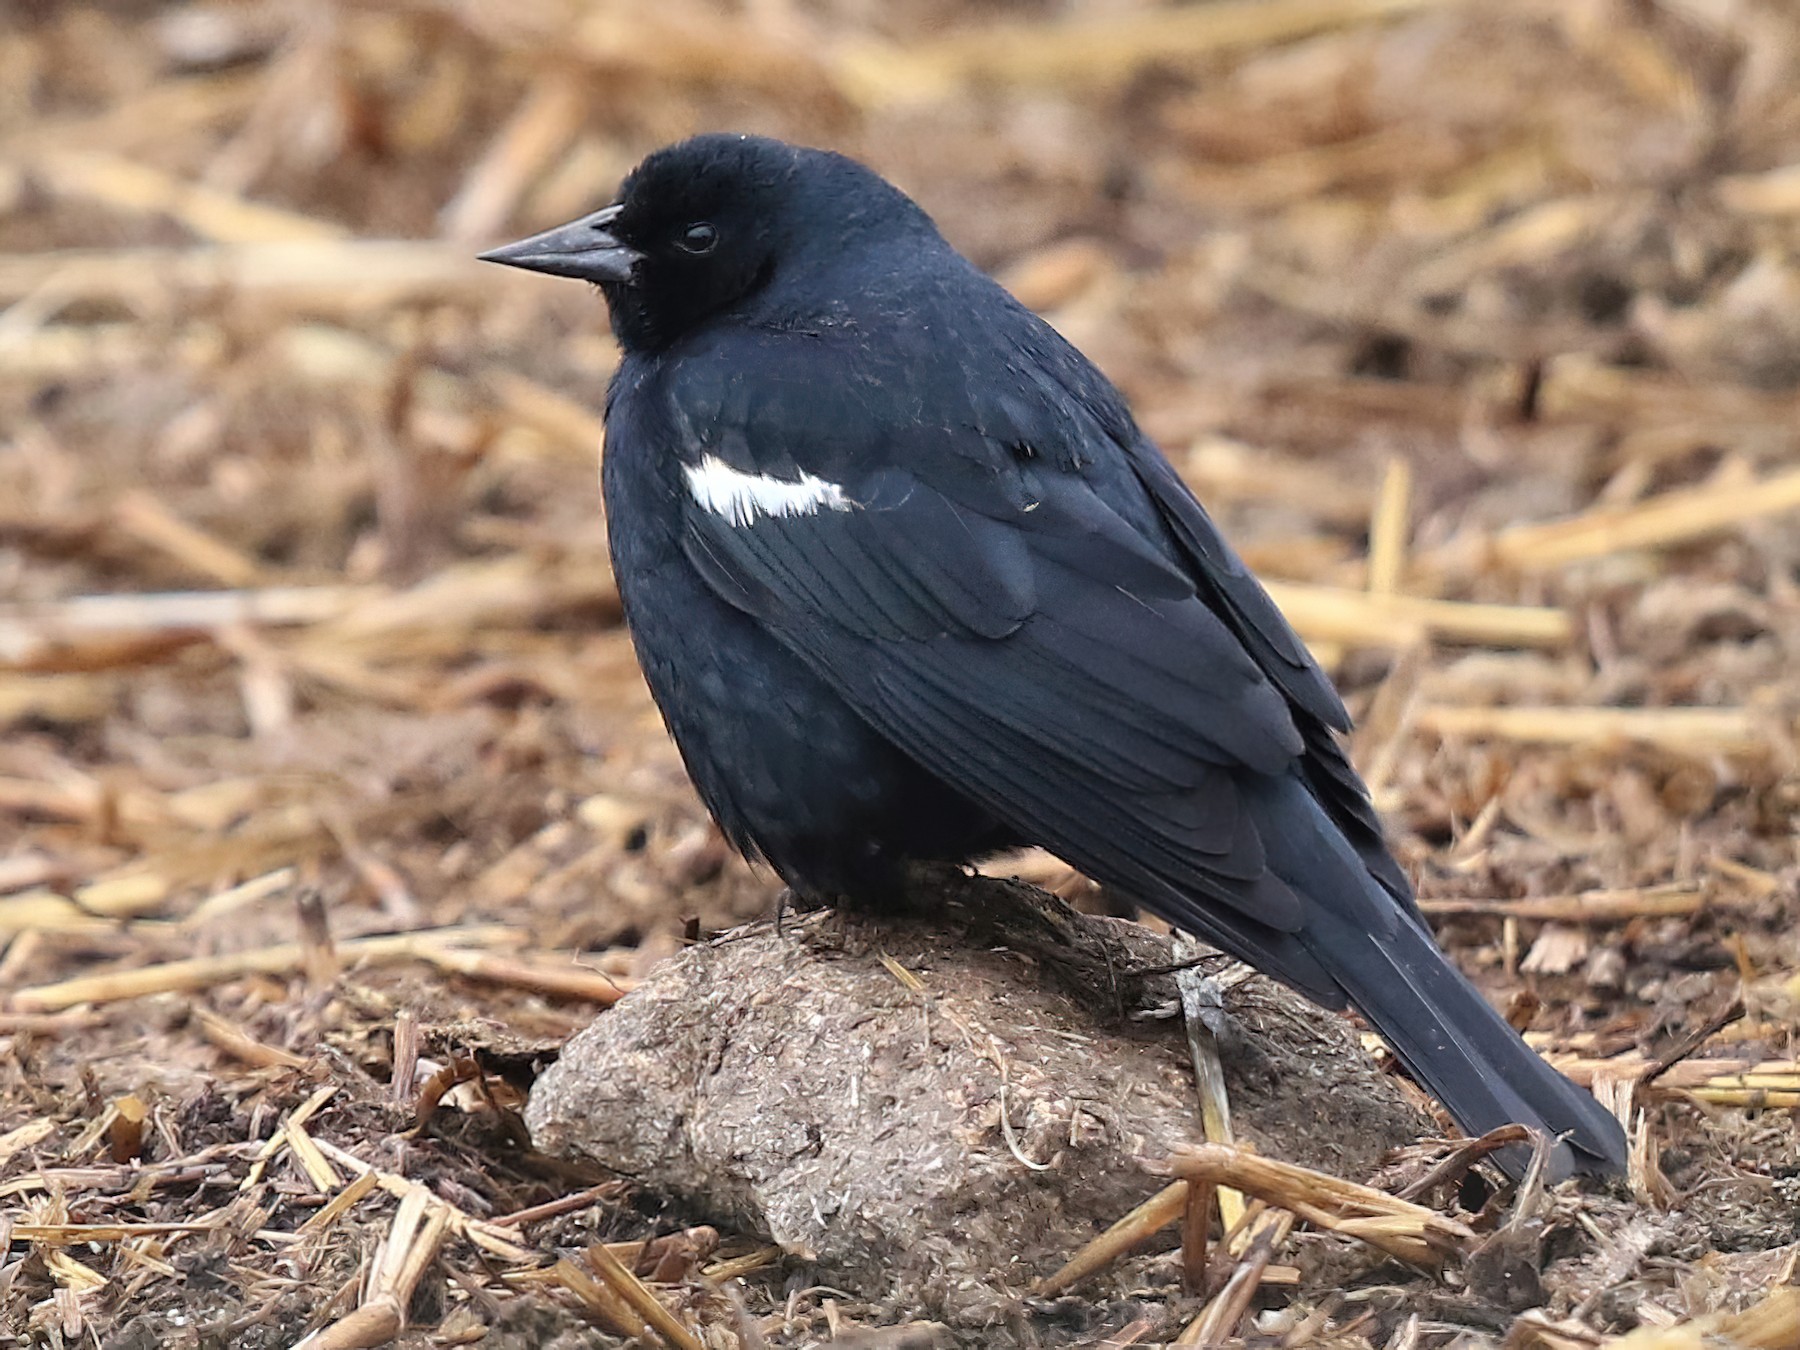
(943, 1147)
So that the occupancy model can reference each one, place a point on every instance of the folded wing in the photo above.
(1059, 666)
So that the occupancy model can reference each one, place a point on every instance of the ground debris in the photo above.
(324, 763)
(934, 1113)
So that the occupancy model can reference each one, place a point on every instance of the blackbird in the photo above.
(908, 583)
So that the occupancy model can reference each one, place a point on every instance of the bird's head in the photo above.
(702, 225)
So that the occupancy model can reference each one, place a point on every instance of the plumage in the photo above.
(907, 582)
(743, 498)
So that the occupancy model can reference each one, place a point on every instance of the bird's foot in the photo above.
(794, 902)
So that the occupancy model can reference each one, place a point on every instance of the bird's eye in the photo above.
(698, 238)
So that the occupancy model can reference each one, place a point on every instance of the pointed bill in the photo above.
(585, 249)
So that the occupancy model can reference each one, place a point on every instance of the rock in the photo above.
(797, 1085)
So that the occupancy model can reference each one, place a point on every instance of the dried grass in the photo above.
(324, 764)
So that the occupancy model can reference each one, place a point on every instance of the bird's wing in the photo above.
(1228, 587)
(1025, 641)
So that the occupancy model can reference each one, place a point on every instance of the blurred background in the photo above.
(1477, 326)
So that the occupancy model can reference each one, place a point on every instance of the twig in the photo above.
(1618, 906)
(1389, 526)
(1137, 1227)
(118, 895)
(1089, 52)
(489, 1237)
(1467, 1152)
(1671, 518)
(351, 275)
(135, 186)
(1772, 1324)
(1404, 1230)
(1222, 1314)
(1357, 618)
(567, 1204)
(1688, 1044)
(1200, 1003)
(202, 972)
(646, 1304)
(1696, 731)
(236, 1042)
(409, 1248)
(559, 979)
(27, 631)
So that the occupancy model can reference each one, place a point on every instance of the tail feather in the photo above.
(1454, 1043)
(1380, 953)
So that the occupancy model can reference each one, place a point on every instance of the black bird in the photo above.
(908, 583)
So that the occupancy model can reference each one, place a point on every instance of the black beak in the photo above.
(585, 249)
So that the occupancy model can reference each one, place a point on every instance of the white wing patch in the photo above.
(743, 498)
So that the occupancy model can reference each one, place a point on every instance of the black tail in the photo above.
(1362, 942)
(1453, 1042)
(1374, 947)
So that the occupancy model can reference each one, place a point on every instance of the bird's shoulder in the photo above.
(950, 380)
